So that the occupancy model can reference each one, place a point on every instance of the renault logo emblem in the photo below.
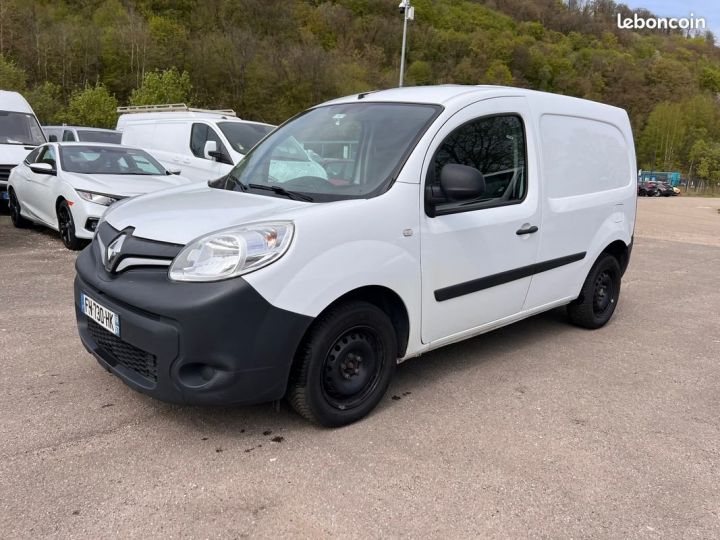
(113, 252)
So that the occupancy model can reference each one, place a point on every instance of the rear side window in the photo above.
(199, 135)
(494, 145)
(582, 156)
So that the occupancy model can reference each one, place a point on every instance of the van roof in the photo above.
(456, 95)
(82, 127)
(13, 101)
(131, 118)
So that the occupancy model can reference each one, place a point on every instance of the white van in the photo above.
(204, 144)
(81, 134)
(20, 133)
(457, 210)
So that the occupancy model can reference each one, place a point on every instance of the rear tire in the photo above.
(66, 227)
(15, 214)
(344, 365)
(599, 294)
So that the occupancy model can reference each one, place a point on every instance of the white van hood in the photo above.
(124, 185)
(13, 154)
(182, 214)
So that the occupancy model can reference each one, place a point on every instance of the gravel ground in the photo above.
(539, 429)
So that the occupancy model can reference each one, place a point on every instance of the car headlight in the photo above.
(97, 198)
(232, 252)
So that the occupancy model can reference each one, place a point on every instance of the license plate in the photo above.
(109, 320)
(4, 195)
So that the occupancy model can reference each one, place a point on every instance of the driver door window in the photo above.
(199, 135)
(68, 136)
(494, 145)
(47, 156)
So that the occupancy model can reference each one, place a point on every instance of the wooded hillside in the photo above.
(76, 60)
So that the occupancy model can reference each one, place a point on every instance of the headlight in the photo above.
(232, 252)
(97, 198)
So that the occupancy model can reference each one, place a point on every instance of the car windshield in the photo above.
(20, 128)
(93, 135)
(345, 151)
(108, 160)
(243, 136)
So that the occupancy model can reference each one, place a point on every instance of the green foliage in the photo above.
(46, 101)
(11, 77)
(91, 106)
(169, 86)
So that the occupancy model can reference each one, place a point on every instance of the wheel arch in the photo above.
(621, 251)
(385, 299)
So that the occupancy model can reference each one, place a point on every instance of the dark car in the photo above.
(648, 189)
(664, 189)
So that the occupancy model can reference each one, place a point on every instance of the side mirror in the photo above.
(52, 138)
(173, 170)
(461, 183)
(42, 168)
(211, 150)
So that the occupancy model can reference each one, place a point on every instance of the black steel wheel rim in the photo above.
(65, 224)
(352, 367)
(604, 294)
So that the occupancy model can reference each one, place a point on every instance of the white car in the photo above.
(68, 186)
(455, 210)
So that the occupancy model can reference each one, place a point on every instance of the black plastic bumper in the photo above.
(197, 343)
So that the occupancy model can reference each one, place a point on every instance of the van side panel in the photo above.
(588, 169)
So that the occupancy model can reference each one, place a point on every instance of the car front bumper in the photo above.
(215, 343)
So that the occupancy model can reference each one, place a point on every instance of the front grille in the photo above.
(141, 362)
(5, 172)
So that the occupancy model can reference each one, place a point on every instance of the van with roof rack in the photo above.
(205, 144)
(20, 133)
(443, 212)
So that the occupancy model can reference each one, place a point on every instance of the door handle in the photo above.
(528, 230)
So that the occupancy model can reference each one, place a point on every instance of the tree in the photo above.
(46, 101)
(92, 106)
(11, 76)
(169, 86)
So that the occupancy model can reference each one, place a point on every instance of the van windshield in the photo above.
(20, 128)
(108, 160)
(243, 136)
(336, 152)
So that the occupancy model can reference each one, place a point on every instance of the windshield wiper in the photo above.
(281, 191)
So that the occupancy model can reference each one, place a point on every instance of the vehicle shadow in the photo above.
(411, 376)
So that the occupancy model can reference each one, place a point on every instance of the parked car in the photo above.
(648, 189)
(665, 190)
(81, 134)
(68, 186)
(20, 133)
(247, 289)
(204, 144)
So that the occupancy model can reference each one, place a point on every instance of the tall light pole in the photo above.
(408, 15)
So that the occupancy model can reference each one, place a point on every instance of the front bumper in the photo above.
(86, 216)
(196, 343)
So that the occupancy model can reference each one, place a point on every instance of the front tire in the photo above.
(66, 226)
(344, 365)
(15, 213)
(599, 294)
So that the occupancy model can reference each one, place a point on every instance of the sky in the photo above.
(708, 9)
